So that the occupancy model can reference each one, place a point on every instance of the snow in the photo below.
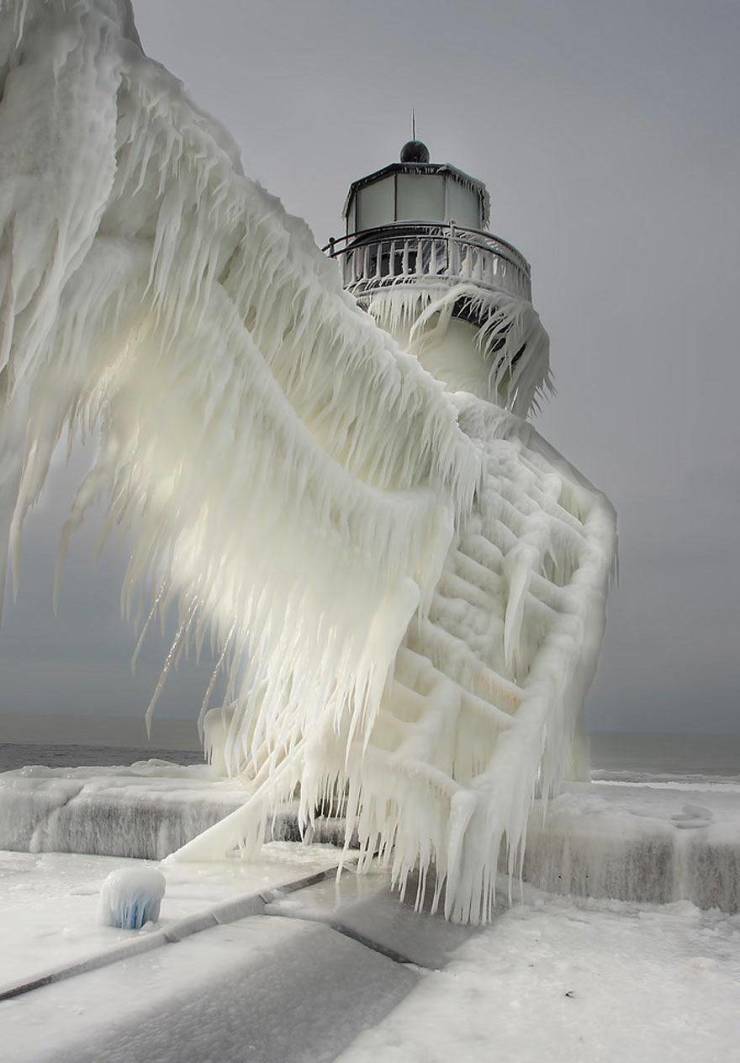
(551, 981)
(131, 897)
(49, 901)
(405, 587)
(264, 989)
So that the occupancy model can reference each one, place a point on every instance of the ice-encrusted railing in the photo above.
(375, 259)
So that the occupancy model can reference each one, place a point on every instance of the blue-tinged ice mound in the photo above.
(131, 897)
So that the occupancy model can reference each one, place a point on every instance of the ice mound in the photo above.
(131, 897)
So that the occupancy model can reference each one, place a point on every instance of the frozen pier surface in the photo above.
(263, 989)
(322, 973)
(259, 986)
(652, 844)
(49, 903)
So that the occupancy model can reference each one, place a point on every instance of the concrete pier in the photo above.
(649, 845)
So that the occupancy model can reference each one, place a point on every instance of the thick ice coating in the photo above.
(292, 479)
(131, 897)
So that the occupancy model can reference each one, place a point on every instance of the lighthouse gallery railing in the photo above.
(411, 253)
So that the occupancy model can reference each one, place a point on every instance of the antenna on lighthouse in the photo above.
(413, 124)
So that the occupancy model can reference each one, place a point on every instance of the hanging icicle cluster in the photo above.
(513, 346)
(266, 443)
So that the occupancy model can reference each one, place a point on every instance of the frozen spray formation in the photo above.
(405, 586)
(131, 897)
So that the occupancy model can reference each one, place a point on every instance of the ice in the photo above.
(131, 897)
(262, 989)
(639, 843)
(550, 980)
(504, 359)
(146, 810)
(571, 984)
(49, 901)
(405, 587)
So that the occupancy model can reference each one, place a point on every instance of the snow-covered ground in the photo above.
(49, 901)
(556, 982)
(346, 972)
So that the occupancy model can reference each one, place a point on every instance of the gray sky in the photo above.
(609, 138)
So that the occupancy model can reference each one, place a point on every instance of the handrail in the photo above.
(416, 253)
(454, 231)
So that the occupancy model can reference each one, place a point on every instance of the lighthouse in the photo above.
(418, 254)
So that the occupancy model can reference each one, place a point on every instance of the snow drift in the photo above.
(405, 587)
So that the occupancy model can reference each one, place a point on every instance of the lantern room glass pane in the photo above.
(351, 215)
(421, 197)
(375, 204)
(463, 205)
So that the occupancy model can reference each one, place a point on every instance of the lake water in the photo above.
(19, 754)
(614, 757)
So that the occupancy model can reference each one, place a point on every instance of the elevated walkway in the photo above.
(639, 843)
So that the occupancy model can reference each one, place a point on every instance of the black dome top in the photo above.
(414, 151)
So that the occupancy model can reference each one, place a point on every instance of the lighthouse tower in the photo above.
(418, 255)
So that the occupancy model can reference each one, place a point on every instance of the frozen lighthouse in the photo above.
(418, 255)
(403, 583)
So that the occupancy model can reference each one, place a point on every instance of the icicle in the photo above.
(513, 345)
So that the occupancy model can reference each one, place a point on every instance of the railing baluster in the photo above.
(431, 250)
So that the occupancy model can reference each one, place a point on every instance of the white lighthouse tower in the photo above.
(417, 254)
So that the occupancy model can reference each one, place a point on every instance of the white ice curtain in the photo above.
(290, 477)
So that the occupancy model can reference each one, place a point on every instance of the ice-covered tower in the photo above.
(418, 255)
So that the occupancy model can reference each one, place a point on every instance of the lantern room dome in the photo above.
(414, 151)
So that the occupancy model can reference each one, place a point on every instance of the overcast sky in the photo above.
(609, 137)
